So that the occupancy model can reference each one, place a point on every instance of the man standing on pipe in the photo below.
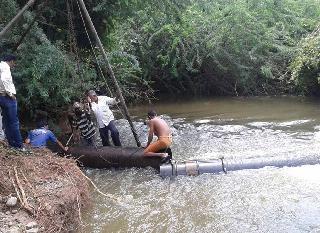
(160, 128)
(105, 118)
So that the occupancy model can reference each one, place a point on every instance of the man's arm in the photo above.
(111, 101)
(74, 128)
(65, 149)
(151, 130)
(28, 140)
(53, 138)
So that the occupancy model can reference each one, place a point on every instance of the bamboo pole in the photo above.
(98, 41)
(38, 13)
(16, 18)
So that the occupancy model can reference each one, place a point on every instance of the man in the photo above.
(160, 128)
(105, 118)
(8, 103)
(39, 137)
(81, 120)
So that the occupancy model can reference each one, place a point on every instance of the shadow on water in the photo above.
(265, 200)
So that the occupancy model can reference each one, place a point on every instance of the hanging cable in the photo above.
(73, 41)
(92, 48)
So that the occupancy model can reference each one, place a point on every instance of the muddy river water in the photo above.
(265, 200)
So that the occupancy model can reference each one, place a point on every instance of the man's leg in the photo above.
(4, 111)
(104, 134)
(155, 147)
(2, 137)
(12, 126)
(114, 134)
(90, 142)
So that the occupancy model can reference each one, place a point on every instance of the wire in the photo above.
(109, 90)
(92, 48)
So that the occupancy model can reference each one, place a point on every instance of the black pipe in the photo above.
(117, 157)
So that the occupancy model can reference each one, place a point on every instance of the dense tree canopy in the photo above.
(203, 47)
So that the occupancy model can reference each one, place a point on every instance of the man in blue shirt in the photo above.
(39, 137)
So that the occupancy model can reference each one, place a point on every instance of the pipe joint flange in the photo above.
(192, 168)
(224, 169)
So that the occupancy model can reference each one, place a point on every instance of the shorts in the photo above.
(161, 144)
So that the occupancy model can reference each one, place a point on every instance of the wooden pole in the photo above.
(38, 13)
(25, 32)
(98, 41)
(16, 18)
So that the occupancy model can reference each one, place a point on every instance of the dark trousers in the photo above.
(104, 134)
(88, 141)
(10, 121)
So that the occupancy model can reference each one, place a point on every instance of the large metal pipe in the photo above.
(223, 165)
(107, 157)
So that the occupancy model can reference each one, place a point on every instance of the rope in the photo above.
(92, 48)
(73, 41)
(95, 56)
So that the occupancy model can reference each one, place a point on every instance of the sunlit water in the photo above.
(264, 200)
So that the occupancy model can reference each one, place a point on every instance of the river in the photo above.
(264, 200)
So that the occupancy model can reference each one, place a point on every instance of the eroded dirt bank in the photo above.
(40, 192)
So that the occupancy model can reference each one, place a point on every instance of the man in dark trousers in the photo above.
(8, 103)
(105, 118)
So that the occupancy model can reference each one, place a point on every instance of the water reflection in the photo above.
(265, 200)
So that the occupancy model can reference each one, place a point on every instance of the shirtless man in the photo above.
(160, 128)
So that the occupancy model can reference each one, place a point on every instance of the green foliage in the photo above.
(305, 65)
(203, 47)
(49, 78)
(218, 47)
(8, 10)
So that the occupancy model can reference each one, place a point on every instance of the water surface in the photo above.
(265, 200)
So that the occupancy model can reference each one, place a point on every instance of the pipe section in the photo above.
(117, 157)
(223, 165)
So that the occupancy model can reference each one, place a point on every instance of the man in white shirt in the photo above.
(8, 103)
(105, 118)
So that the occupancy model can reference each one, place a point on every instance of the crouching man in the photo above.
(160, 128)
(39, 137)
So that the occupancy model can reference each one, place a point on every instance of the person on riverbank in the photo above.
(39, 137)
(160, 128)
(81, 120)
(8, 103)
(105, 118)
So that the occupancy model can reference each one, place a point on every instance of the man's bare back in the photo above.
(160, 127)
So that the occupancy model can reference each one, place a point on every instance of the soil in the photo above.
(51, 191)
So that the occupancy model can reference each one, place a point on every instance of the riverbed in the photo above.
(265, 200)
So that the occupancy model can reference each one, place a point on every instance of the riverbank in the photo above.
(40, 192)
